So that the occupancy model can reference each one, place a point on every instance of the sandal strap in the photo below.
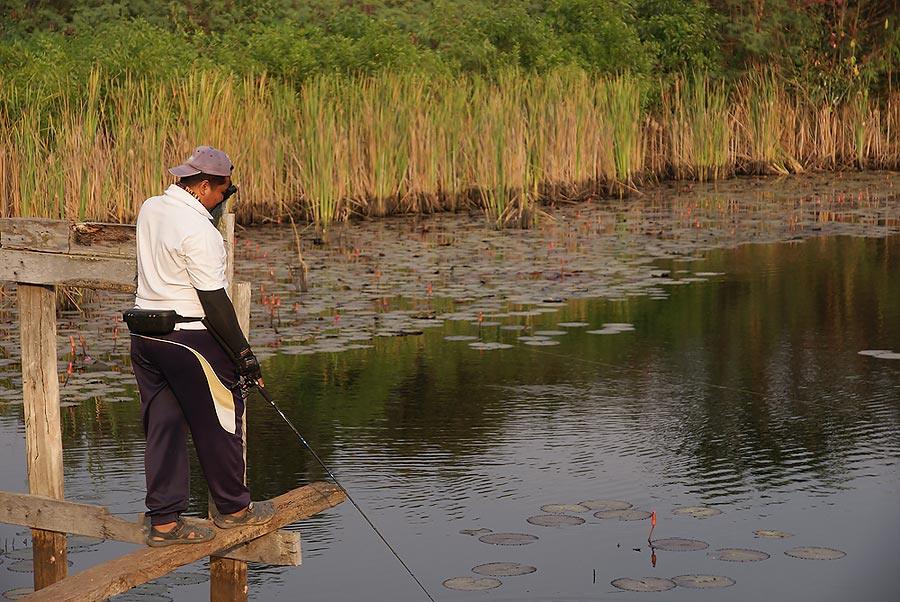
(181, 530)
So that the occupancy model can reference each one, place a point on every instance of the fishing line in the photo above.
(268, 398)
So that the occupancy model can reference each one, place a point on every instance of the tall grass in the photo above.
(697, 117)
(338, 146)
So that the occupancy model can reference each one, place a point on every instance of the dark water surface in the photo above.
(740, 388)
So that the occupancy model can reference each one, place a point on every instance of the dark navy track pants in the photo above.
(187, 381)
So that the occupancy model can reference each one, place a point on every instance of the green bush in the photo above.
(683, 35)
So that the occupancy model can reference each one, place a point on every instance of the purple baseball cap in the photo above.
(205, 159)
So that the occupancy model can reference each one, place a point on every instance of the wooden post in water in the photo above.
(227, 577)
(43, 431)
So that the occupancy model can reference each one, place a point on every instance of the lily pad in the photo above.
(503, 569)
(489, 346)
(183, 578)
(623, 514)
(772, 534)
(703, 581)
(606, 505)
(20, 554)
(697, 511)
(545, 343)
(472, 584)
(562, 508)
(573, 324)
(811, 553)
(677, 544)
(739, 555)
(461, 337)
(481, 531)
(508, 539)
(549, 333)
(555, 520)
(80, 543)
(18, 593)
(133, 596)
(644, 584)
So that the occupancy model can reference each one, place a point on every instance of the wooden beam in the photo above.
(281, 548)
(43, 430)
(93, 239)
(123, 573)
(68, 270)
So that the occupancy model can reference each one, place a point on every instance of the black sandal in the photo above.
(181, 533)
(257, 513)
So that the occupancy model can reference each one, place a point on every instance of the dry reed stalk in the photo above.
(424, 153)
(324, 136)
(379, 142)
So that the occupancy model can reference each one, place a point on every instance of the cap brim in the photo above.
(183, 171)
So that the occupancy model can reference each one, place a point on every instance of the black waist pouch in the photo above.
(153, 321)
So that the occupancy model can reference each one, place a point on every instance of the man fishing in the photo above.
(191, 359)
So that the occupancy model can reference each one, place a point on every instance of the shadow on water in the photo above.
(457, 381)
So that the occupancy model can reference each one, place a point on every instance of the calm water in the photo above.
(741, 389)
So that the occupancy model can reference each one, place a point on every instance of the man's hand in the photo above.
(248, 365)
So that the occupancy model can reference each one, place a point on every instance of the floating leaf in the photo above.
(606, 505)
(697, 511)
(79, 543)
(461, 337)
(545, 343)
(549, 333)
(555, 520)
(489, 346)
(772, 534)
(622, 326)
(503, 569)
(508, 539)
(739, 555)
(645, 584)
(475, 531)
(183, 578)
(20, 554)
(18, 593)
(140, 597)
(623, 514)
(703, 581)
(561, 508)
(677, 544)
(573, 324)
(472, 584)
(811, 553)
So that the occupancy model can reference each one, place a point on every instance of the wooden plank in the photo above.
(102, 240)
(34, 234)
(119, 575)
(281, 548)
(65, 270)
(94, 239)
(43, 431)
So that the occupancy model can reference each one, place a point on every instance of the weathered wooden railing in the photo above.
(40, 255)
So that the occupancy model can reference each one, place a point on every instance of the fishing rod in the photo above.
(265, 394)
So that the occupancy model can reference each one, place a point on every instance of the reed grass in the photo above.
(339, 146)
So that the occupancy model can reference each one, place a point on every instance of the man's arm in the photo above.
(222, 322)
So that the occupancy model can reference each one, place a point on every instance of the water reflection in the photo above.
(740, 388)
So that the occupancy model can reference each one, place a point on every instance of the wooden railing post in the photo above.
(43, 431)
(227, 577)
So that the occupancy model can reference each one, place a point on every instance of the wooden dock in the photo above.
(40, 255)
